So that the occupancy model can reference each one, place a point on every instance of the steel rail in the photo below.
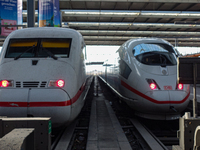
(152, 141)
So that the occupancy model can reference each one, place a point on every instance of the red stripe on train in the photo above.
(45, 104)
(151, 99)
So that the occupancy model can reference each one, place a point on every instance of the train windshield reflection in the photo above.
(155, 54)
(40, 48)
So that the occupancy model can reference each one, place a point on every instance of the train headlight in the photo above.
(60, 83)
(152, 84)
(57, 83)
(6, 83)
(180, 86)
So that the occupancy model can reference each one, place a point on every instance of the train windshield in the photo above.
(155, 54)
(40, 48)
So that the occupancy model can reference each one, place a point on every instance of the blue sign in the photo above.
(57, 22)
(8, 16)
(46, 13)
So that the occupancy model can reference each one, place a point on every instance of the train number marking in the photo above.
(168, 87)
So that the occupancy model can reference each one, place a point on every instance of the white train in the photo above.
(144, 75)
(42, 74)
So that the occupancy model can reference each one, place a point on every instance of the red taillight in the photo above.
(153, 86)
(4, 83)
(180, 86)
(60, 83)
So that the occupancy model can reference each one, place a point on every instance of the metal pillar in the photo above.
(30, 13)
(194, 91)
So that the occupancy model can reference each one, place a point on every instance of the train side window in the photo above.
(124, 69)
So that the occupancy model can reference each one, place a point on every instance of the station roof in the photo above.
(112, 22)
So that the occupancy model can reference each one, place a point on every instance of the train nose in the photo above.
(13, 103)
(178, 100)
(54, 103)
(166, 101)
(50, 102)
(173, 108)
(38, 91)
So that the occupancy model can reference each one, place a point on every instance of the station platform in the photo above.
(105, 132)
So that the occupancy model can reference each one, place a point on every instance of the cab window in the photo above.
(155, 54)
(42, 48)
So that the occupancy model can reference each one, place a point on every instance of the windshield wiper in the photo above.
(17, 57)
(50, 53)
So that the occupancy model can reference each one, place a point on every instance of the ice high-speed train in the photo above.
(144, 75)
(42, 74)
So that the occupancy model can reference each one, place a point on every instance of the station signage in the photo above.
(48, 13)
(10, 10)
(57, 20)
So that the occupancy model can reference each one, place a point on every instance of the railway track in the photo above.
(142, 134)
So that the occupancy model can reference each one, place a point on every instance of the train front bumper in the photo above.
(54, 103)
(162, 105)
(166, 101)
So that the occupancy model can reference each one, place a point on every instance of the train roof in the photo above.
(134, 42)
(44, 32)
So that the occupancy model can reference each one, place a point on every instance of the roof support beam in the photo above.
(104, 42)
(124, 13)
(124, 38)
(137, 1)
(129, 24)
(150, 33)
(118, 13)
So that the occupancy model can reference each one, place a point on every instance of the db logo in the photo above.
(168, 87)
